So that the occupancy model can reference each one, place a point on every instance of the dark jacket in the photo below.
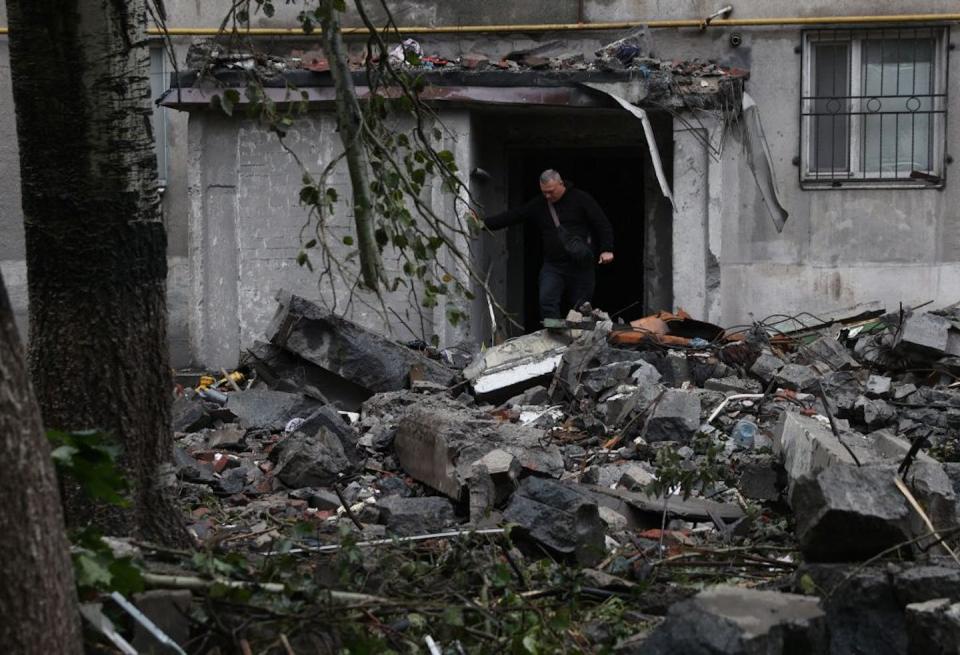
(578, 212)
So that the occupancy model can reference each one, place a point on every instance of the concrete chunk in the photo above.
(675, 418)
(559, 518)
(347, 349)
(737, 621)
(797, 377)
(933, 627)
(266, 408)
(438, 447)
(766, 366)
(599, 379)
(516, 362)
(322, 449)
(878, 386)
(830, 351)
(847, 513)
(924, 334)
(806, 446)
(406, 517)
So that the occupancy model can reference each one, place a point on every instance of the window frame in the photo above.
(855, 175)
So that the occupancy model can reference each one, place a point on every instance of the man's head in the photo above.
(551, 185)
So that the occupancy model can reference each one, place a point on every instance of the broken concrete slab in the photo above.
(675, 418)
(645, 510)
(761, 480)
(828, 350)
(733, 384)
(599, 379)
(411, 516)
(583, 353)
(920, 583)
(492, 479)
(675, 369)
(766, 366)
(521, 361)
(727, 620)
(265, 408)
(190, 469)
(189, 415)
(863, 614)
(439, 446)
(285, 371)
(874, 412)
(347, 349)
(806, 446)
(317, 454)
(796, 377)
(228, 437)
(924, 334)
(557, 517)
(933, 627)
(878, 386)
(645, 374)
(848, 513)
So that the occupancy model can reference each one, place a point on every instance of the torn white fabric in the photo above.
(756, 147)
(648, 134)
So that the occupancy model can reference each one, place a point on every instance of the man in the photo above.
(564, 283)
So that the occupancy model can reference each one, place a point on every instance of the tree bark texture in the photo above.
(350, 122)
(38, 602)
(95, 241)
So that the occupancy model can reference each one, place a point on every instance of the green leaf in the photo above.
(230, 99)
(332, 194)
(268, 9)
(90, 572)
(310, 244)
(453, 615)
(807, 585)
(348, 240)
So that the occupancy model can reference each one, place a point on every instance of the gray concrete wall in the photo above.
(838, 247)
(247, 226)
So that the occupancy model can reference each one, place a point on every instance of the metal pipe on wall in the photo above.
(586, 27)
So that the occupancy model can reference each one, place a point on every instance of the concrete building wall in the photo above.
(839, 247)
(246, 227)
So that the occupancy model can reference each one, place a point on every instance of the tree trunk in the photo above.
(349, 120)
(96, 247)
(38, 600)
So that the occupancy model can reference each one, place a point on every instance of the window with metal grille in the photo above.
(874, 107)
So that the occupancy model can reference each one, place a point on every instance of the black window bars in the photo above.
(873, 106)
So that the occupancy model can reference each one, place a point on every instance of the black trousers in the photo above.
(564, 286)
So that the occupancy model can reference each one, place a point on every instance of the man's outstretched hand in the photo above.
(605, 258)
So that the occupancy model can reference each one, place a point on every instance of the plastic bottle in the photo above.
(743, 433)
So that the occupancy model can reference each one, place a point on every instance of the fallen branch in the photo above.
(194, 583)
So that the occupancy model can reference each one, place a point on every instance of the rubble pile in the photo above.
(625, 449)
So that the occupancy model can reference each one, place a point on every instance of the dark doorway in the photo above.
(615, 178)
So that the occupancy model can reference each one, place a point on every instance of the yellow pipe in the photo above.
(574, 27)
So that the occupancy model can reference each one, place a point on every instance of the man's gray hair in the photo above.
(550, 175)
